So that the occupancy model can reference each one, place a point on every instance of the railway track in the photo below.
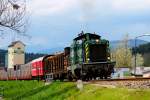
(123, 79)
(124, 82)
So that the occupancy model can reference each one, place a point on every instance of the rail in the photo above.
(123, 79)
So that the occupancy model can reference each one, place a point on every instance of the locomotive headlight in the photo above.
(97, 40)
(108, 58)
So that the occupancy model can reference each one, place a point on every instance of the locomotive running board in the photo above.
(98, 63)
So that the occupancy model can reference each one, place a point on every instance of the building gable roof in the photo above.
(15, 42)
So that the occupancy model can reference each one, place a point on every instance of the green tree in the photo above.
(122, 54)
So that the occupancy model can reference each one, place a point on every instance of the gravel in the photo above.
(126, 84)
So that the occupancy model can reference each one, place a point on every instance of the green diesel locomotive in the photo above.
(90, 57)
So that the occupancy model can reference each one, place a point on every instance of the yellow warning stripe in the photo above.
(86, 46)
(86, 52)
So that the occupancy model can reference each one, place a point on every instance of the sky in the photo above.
(54, 23)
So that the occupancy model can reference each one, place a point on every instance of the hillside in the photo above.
(113, 44)
(144, 49)
(131, 43)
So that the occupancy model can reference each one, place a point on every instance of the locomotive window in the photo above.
(98, 52)
(79, 42)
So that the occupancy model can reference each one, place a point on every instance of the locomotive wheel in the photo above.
(61, 77)
(105, 76)
(94, 77)
(78, 73)
(101, 77)
(84, 77)
(70, 77)
(54, 78)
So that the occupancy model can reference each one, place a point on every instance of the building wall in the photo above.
(10, 57)
(6, 59)
(19, 56)
(16, 55)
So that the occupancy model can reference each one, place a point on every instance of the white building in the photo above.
(16, 54)
(142, 71)
(146, 74)
(121, 72)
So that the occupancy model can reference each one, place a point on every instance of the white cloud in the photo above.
(130, 5)
(48, 7)
(116, 5)
(52, 7)
(102, 14)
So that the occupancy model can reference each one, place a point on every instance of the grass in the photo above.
(127, 73)
(33, 90)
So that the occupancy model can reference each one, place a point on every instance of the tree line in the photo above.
(28, 57)
(125, 56)
(144, 50)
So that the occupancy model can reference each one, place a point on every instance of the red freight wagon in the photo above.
(37, 67)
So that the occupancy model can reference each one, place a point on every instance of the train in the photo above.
(87, 58)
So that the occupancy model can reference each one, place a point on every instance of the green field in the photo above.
(34, 90)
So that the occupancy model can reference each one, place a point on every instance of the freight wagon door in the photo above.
(98, 52)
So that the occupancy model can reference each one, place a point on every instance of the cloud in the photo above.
(50, 7)
(37, 41)
(54, 18)
(130, 5)
(103, 10)
(116, 6)
(86, 7)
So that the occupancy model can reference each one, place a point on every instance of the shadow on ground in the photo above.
(59, 93)
(30, 93)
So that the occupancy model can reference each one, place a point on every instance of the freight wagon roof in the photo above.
(38, 59)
